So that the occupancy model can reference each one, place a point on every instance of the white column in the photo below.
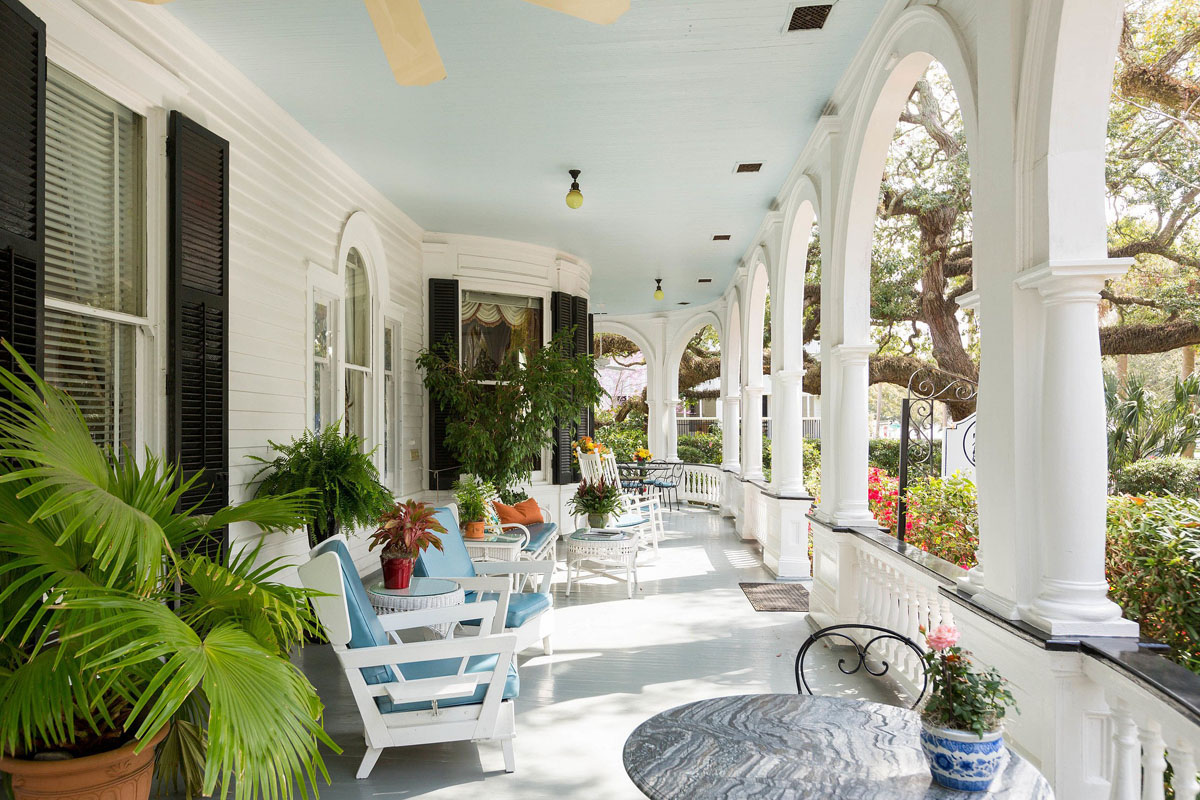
(787, 451)
(731, 426)
(672, 451)
(973, 583)
(1072, 597)
(752, 432)
(852, 439)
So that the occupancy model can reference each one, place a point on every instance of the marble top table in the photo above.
(776, 746)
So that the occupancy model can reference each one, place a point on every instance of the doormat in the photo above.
(776, 596)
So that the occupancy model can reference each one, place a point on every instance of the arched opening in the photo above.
(798, 340)
(756, 444)
(621, 417)
(697, 416)
(731, 378)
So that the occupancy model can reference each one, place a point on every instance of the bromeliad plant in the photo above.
(406, 530)
(110, 630)
(599, 499)
(961, 698)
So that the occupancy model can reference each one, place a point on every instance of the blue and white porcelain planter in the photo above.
(960, 759)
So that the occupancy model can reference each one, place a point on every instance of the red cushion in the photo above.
(525, 512)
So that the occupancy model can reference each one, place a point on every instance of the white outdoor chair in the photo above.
(639, 512)
(416, 692)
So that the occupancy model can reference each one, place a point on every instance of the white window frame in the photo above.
(150, 383)
(517, 290)
(393, 472)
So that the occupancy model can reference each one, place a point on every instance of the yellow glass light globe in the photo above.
(658, 294)
(574, 198)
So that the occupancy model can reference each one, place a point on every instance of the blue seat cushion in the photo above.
(365, 630)
(453, 560)
(449, 666)
(522, 606)
(539, 534)
(629, 521)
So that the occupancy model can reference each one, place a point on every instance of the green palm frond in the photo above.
(264, 715)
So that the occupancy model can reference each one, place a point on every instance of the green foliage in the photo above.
(344, 479)
(885, 454)
(1140, 424)
(500, 417)
(943, 518)
(812, 467)
(961, 697)
(700, 448)
(407, 529)
(624, 438)
(110, 633)
(1153, 569)
(595, 498)
(1172, 475)
(472, 495)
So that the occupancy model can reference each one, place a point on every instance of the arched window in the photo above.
(357, 317)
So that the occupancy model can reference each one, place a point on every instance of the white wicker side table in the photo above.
(421, 593)
(600, 549)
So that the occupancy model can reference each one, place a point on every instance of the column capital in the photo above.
(733, 398)
(970, 301)
(853, 353)
(1074, 280)
(788, 375)
(753, 389)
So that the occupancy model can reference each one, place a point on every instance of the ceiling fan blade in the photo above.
(407, 41)
(601, 12)
(154, 2)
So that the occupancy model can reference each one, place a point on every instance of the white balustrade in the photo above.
(701, 484)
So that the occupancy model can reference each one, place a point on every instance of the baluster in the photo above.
(1183, 759)
(862, 585)
(1126, 757)
(1154, 764)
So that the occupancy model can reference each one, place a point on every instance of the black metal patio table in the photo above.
(798, 747)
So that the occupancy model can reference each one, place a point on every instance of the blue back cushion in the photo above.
(453, 560)
(365, 630)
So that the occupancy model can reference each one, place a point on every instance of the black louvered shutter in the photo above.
(198, 369)
(22, 181)
(583, 346)
(561, 318)
(591, 338)
(443, 332)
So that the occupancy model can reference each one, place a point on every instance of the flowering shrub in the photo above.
(960, 697)
(700, 448)
(1153, 565)
(883, 492)
(942, 518)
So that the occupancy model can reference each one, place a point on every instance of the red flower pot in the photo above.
(397, 572)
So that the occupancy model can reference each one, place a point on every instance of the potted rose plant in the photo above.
(962, 716)
(597, 500)
(404, 531)
(473, 496)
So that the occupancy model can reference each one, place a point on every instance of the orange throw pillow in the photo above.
(525, 512)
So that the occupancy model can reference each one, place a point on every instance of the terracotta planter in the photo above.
(474, 530)
(397, 572)
(116, 775)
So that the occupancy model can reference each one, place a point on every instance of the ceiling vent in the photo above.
(685, 302)
(809, 17)
(748, 166)
(704, 280)
(721, 237)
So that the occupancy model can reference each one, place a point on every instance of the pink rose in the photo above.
(942, 637)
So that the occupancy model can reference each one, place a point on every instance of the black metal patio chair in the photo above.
(859, 658)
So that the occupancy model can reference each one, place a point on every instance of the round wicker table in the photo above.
(421, 593)
(592, 549)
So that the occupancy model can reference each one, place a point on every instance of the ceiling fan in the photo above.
(408, 42)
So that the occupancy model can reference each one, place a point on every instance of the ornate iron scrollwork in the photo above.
(859, 660)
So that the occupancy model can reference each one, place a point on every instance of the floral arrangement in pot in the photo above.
(597, 501)
(473, 496)
(586, 445)
(642, 454)
(962, 715)
(404, 531)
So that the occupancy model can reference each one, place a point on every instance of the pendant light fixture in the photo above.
(574, 197)
(658, 292)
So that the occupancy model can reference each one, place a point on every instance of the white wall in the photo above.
(290, 197)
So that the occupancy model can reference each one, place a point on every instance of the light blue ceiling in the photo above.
(655, 109)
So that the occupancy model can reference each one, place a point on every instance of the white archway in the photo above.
(756, 312)
(683, 335)
(653, 372)
(787, 338)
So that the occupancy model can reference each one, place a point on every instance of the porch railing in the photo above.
(701, 484)
(1141, 737)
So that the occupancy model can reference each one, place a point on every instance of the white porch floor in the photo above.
(688, 633)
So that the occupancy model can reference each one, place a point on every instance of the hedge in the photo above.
(1159, 476)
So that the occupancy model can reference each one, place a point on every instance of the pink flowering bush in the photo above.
(942, 518)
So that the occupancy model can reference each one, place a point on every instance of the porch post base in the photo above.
(1000, 606)
(1071, 608)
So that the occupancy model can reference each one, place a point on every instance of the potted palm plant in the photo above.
(962, 715)
(404, 531)
(472, 496)
(346, 482)
(597, 500)
(118, 635)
